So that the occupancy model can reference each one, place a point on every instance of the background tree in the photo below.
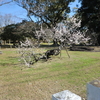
(26, 28)
(90, 15)
(8, 34)
(4, 21)
(49, 12)
(1, 24)
(19, 32)
(7, 19)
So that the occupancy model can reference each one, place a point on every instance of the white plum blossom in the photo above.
(67, 31)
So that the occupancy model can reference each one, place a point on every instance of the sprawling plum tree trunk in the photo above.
(65, 33)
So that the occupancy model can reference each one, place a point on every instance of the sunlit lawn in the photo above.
(18, 82)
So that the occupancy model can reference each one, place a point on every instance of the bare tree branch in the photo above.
(3, 3)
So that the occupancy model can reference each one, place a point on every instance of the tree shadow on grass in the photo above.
(7, 46)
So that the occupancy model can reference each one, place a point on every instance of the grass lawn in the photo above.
(47, 78)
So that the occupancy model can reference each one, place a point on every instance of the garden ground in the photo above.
(44, 79)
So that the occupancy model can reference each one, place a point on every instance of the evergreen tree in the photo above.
(90, 14)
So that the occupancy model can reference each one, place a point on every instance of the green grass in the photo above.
(46, 78)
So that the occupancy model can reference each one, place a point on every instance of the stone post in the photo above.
(93, 90)
(65, 95)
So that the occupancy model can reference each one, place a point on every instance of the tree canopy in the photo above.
(8, 34)
(49, 12)
(25, 28)
(19, 31)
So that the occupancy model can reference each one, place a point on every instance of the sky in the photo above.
(21, 13)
